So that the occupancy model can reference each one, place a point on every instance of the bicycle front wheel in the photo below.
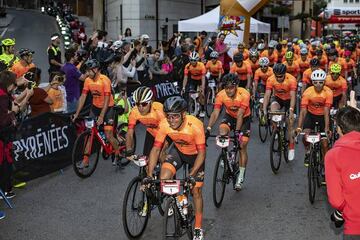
(82, 167)
(209, 102)
(219, 180)
(172, 226)
(135, 212)
(275, 151)
(312, 176)
(263, 131)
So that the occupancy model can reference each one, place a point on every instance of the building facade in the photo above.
(157, 18)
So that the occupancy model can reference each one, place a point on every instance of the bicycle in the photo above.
(138, 208)
(210, 96)
(226, 168)
(334, 134)
(94, 136)
(194, 105)
(279, 142)
(315, 167)
(179, 212)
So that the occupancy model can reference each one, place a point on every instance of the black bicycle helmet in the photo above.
(314, 62)
(279, 69)
(230, 79)
(175, 104)
(25, 52)
(333, 52)
(91, 64)
(318, 51)
(238, 57)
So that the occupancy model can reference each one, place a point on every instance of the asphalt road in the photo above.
(62, 206)
(32, 30)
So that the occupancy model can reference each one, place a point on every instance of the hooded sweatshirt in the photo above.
(342, 172)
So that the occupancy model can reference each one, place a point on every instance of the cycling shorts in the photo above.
(311, 119)
(230, 122)
(336, 101)
(108, 118)
(284, 104)
(176, 162)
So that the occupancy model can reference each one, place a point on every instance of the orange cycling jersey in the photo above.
(303, 64)
(214, 69)
(350, 65)
(189, 139)
(150, 120)
(273, 58)
(254, 65)
(342, 63)
(197, 72)
(259, 74)
(99, 88)
(306, 78)
(323, 62)
(296, 49)
(20, 69)
(232, 105)
(292, 69)
(242, 71)
(282, 90)
(338, 86)
(245, 53)
(315, 102)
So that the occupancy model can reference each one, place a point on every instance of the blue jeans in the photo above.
(71, 106)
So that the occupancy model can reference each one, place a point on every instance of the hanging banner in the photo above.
(42, 145)
(231, 24)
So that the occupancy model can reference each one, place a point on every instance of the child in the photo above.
(167, 65)
(56, 93)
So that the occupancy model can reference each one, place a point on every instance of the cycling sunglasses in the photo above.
(173, 116)
(230, 87)
(280, 76)
(143, 104)
(317, 82)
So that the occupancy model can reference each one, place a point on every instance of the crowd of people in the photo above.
(98, 74)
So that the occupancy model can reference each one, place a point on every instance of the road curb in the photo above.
(6, 22)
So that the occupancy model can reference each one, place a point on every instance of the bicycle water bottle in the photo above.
(183, 203)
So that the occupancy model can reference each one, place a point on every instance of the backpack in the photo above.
(179, 66)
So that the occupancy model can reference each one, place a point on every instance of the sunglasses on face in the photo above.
(143, 104)
(318, 82)
(173, 116)
(279, 76)
(335, 74)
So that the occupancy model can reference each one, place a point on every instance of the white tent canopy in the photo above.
(210, 20)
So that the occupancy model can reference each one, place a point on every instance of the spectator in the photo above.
(199, 43)
(120, 74)
(342, 172)
(55, 92)
(73, 78)
(154, 65)
(221, 48)
(177, 51)
(167, 65)
(127, 35)
(179, 64)
(40, 101)
(145, 42)
(54, 54)
(209, 50)
(140, 57)
(8, 108)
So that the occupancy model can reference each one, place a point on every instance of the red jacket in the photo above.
(342, 172)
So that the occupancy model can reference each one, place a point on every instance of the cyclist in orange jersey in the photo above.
(303, 61)
(291, 66)
(102, 103)
(261, 75)
(253, 60)
(283, 85)
(337, 84)
(333, 57)
(322, 58)
(241, 49)
(236, 101)
(24, 64)
(306, 78)
(315, 108)
(187, 134)
(243, 70)
(214, 66)
(270, 53)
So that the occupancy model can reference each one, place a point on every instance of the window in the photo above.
(351, 1)
(345, 1)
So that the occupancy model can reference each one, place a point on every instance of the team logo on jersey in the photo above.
(234, 108)
(318, 104)
(96, 93)
(182, 142)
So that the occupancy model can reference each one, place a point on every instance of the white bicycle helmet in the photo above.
(303, 51)
(272, 44)
(117, 44)
(194, 56)
(214, 54)
(142, 94)
(318, 75)
(264, 62)
(261, 46)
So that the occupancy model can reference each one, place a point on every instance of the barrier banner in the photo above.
(42, 145)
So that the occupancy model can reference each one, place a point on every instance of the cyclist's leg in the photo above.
(197, 190)
(290, 127)
(87, 151)
(148, 143)
(245, 130)
(109, 130)
(275, 105)
(225, 125)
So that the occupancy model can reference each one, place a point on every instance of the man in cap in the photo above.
(8, 56)
(54, 54)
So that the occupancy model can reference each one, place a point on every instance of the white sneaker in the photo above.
(202, 114)
(198, 234)
(291, 154)
(239, 183)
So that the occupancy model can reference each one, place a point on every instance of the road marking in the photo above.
(3, 33)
